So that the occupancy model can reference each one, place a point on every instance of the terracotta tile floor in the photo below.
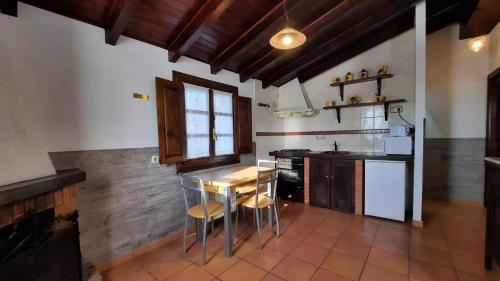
(319, 244)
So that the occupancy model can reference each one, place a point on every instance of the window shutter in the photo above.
(171, 121)
(245, 124)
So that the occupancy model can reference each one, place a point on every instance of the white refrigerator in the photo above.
(385, 189)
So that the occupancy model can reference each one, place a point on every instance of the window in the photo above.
(210, 114)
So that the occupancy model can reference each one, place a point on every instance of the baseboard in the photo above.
(139, 251)
(419, 224)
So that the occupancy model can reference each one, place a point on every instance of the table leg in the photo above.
(228, 224)
(269, 209)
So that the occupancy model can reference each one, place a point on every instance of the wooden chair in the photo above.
(207, 210)
(260, 199)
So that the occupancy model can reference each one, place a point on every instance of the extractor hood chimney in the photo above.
(293, 101)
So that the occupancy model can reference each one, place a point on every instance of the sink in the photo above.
(335, 152)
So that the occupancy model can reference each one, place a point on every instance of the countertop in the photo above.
(15, 192)
(350, 155)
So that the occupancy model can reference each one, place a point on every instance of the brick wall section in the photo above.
(127, 202)
(358, 188)
(306, 180)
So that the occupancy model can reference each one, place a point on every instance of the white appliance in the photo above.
(398, 145)
(400, 131)
(386, 189)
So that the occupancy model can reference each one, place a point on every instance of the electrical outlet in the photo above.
(155, 159)
(396, 109)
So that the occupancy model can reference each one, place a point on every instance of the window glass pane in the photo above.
(223, 107)
(197, 121)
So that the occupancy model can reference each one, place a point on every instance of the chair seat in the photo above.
(214, 208)
(249, 201)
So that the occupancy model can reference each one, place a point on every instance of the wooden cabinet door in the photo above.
(342, 172)
(319, 176)
(171, 121)
(245, 124)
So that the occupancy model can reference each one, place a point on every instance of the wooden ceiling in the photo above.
(234, 34)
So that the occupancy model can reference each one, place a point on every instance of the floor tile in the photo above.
(364, 226)
(388, 260)
(324, 275)
(353, 250)
(424, 271)
(190, 273)
(393, 233)
(243, 271)
(292, 269)
(244, 247)
(266, 258)
(391, 245)
(322, 240)
(473, 265)
(468, 277)
(272, 277)
(297, 231)
(442, 258)
(376, 273)
(128, 271)
(343, 265)
(162, 267)
(284, 244)
(357, 236)
(309, 253)
(219, 263)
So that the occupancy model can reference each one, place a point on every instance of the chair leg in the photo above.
(184, 236)
(213, 228)
(236, 223)
(258, 216)
(277, 220)
(261, 220)
(204, 243)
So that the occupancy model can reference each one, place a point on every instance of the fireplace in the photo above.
(39, 234)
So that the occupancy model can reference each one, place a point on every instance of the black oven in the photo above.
(291, 178)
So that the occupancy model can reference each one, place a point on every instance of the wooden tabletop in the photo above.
(231, 176)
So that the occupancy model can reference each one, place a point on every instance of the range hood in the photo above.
(293, 101)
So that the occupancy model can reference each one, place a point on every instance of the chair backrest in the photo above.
(267, 176)
(195, 185)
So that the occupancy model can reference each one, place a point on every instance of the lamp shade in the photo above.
(287, 38)
(477, 43)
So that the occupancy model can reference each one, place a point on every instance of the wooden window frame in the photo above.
(190, 165)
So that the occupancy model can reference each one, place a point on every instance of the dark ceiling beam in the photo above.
(455, 11)
(359, 47)
(117, 21)
(336, 14)
(208, 13)
(273, 15)
(381, 18)
(8, 7)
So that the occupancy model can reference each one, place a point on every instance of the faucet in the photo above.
(335, 146)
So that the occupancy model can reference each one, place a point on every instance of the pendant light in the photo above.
(287, 38)
(477, 43)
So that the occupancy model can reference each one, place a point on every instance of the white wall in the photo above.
(494, 38)
(456, 87)
(398, 53)
(79, 89)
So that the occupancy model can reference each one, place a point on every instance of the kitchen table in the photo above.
(227, 181)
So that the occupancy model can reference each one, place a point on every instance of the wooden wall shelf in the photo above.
(385, 103)
(362, 80)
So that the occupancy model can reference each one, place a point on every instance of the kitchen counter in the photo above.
(350, 155)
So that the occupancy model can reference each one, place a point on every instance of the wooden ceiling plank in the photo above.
(8, 7)
(337, 13)
(208, 12)
(351, 51)
(360, 30)
(117, 21)
(273, 15)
